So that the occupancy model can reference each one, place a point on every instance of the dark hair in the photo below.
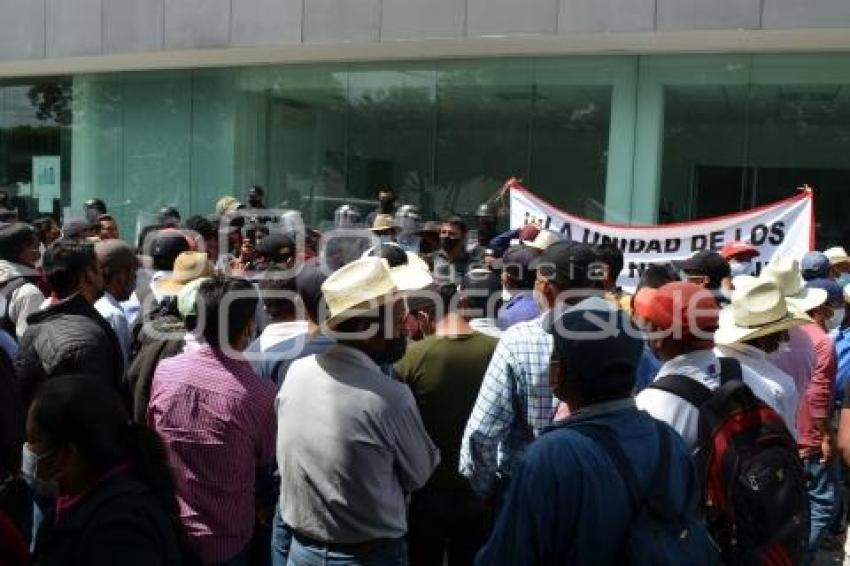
(457, 222)
(103, 217)
(14, 239)
(447, 292)
(65, 263)
(42, 225)
(277, 292)
(385, 189)
(84, 411)
(656, 275)
(216, 309)
(612, 256)
(394, 255)
(96, 204)
(258, 189)
(202, 226)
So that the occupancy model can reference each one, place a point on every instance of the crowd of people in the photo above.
(241, 388)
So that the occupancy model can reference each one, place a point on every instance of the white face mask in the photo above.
(740, 267)
(506, 295)
(837, 318)
(29, 471)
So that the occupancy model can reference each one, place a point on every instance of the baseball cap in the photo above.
(276, 247)
(814, 265)
(594, 341)
(166, 246)
(74, 228)
(738, 248)
(567, 264)
(516, 262)
(834, 293)
(679, 306)
(707, 263)
(528, 232)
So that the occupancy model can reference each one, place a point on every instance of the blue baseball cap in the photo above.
(814, 265)
(594, 341)
(834, 293)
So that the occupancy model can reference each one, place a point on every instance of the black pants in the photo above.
(449, 523)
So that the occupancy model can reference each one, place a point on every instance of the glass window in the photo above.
(445, 134)
(35, 119)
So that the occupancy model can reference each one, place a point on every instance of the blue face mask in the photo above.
(844, 280)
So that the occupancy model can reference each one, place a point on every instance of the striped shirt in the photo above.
(217, 419)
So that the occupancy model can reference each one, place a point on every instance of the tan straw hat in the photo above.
(357, 287)
(758, 309)
(383, 222)
(837, 255)
(187, 267)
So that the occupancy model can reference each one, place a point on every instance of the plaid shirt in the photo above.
(515, 402)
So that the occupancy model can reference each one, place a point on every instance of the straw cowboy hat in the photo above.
(758, 309)
(544, 239)
(837, 255)
(383, 222)
(363, 285)
(786, 273)
(187, 267)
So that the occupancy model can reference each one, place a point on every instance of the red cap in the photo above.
(738, 248)
(528, 232)
(678, 306)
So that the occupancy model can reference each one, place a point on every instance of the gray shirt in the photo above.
(350, 444)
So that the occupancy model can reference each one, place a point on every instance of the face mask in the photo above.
(837, 318)
(385, 239)
(29, 471)
(740, 267)
(394, 350)
(386, 205)
(448, 244)
(506, 295)
(844, 280)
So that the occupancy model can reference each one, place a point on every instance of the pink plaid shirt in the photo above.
(217, 419)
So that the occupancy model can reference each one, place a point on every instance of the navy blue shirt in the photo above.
(567, 503)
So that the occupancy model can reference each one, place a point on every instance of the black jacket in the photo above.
(150, 350)
(118, 523)
(69, 337)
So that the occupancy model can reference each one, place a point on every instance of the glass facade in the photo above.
(625, 139)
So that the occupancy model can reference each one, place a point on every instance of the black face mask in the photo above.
(394, 350)
(427, 246)
(447, 244)
(386, 205)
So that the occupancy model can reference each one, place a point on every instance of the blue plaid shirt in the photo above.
(515, 402)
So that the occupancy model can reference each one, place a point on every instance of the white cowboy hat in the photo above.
(413, 275)
(837, 255)
(544, 239)
(758, 309)
(363, 285)
(786, 272)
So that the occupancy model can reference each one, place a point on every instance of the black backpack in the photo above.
(658, 534)
(755, 497)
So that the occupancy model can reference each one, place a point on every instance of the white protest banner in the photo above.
(785, 227)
